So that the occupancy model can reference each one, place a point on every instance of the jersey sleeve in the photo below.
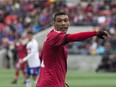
(56, 39)
(31, 51)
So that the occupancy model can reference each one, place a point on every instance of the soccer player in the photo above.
(54, 53)
(21, 53)
(32, 59)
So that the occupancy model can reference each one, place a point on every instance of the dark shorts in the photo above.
(33, 71)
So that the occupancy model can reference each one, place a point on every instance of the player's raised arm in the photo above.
(85, 35)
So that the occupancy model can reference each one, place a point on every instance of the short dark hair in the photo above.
(30, 32)
(59, 13)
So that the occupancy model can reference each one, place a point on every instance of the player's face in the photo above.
(62, 23)
(20, 41)
(29, 36)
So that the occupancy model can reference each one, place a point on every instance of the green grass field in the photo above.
(74, 79)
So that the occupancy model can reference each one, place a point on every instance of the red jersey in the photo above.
(54, 61)
(21, 50)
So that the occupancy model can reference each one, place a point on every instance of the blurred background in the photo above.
(91, 63)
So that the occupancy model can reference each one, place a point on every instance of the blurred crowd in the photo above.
(19, 16)
(101, 14)
(107, 64)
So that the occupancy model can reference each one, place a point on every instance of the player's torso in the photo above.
(33, 61)
(54, 62)
(21, 50)
(54, 54)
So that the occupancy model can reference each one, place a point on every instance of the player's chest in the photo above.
(29, 48)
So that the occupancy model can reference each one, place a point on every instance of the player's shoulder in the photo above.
(34, 40)
(29, 43)
(54, 35)
(54, 32)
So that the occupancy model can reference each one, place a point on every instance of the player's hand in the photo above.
(103, 35)
(66, 85)
(17, 65)
(20, 61)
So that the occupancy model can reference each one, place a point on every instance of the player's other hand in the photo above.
(103, 35)
(20, 61)
(17, 65)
